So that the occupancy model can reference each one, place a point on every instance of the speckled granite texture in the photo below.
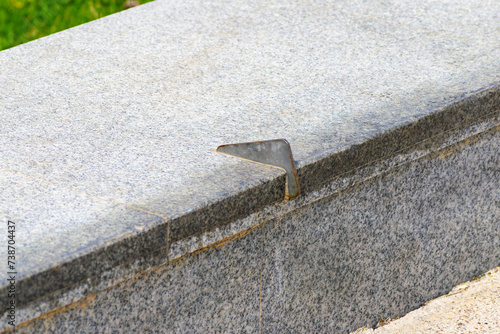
(108, 130)
(383, 248)
(211, 292)
(471, 307)
(375, 250)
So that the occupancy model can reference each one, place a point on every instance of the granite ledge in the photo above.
(118, 109)
(478, 134)
(466, 111)
(447, 142)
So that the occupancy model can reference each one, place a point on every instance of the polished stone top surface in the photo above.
(108, 130)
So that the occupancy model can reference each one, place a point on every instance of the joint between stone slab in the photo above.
(218, 243)
(57, 300)
(82, 303)
(167, 242)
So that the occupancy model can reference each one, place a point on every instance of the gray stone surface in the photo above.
(374, 249)
(66, 243)
(471, 307)
(442, 142)
(216, 291)
(380, 249)
(119, 118)
(71, 292)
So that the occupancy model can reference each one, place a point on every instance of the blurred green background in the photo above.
(22, 21)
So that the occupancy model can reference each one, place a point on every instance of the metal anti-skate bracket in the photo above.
(275, 153)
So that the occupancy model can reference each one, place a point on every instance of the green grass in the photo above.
(22, 21)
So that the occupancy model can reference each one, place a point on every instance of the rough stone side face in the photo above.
(211, 292)
(382, 249)
(376, 250)
(471, 307)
